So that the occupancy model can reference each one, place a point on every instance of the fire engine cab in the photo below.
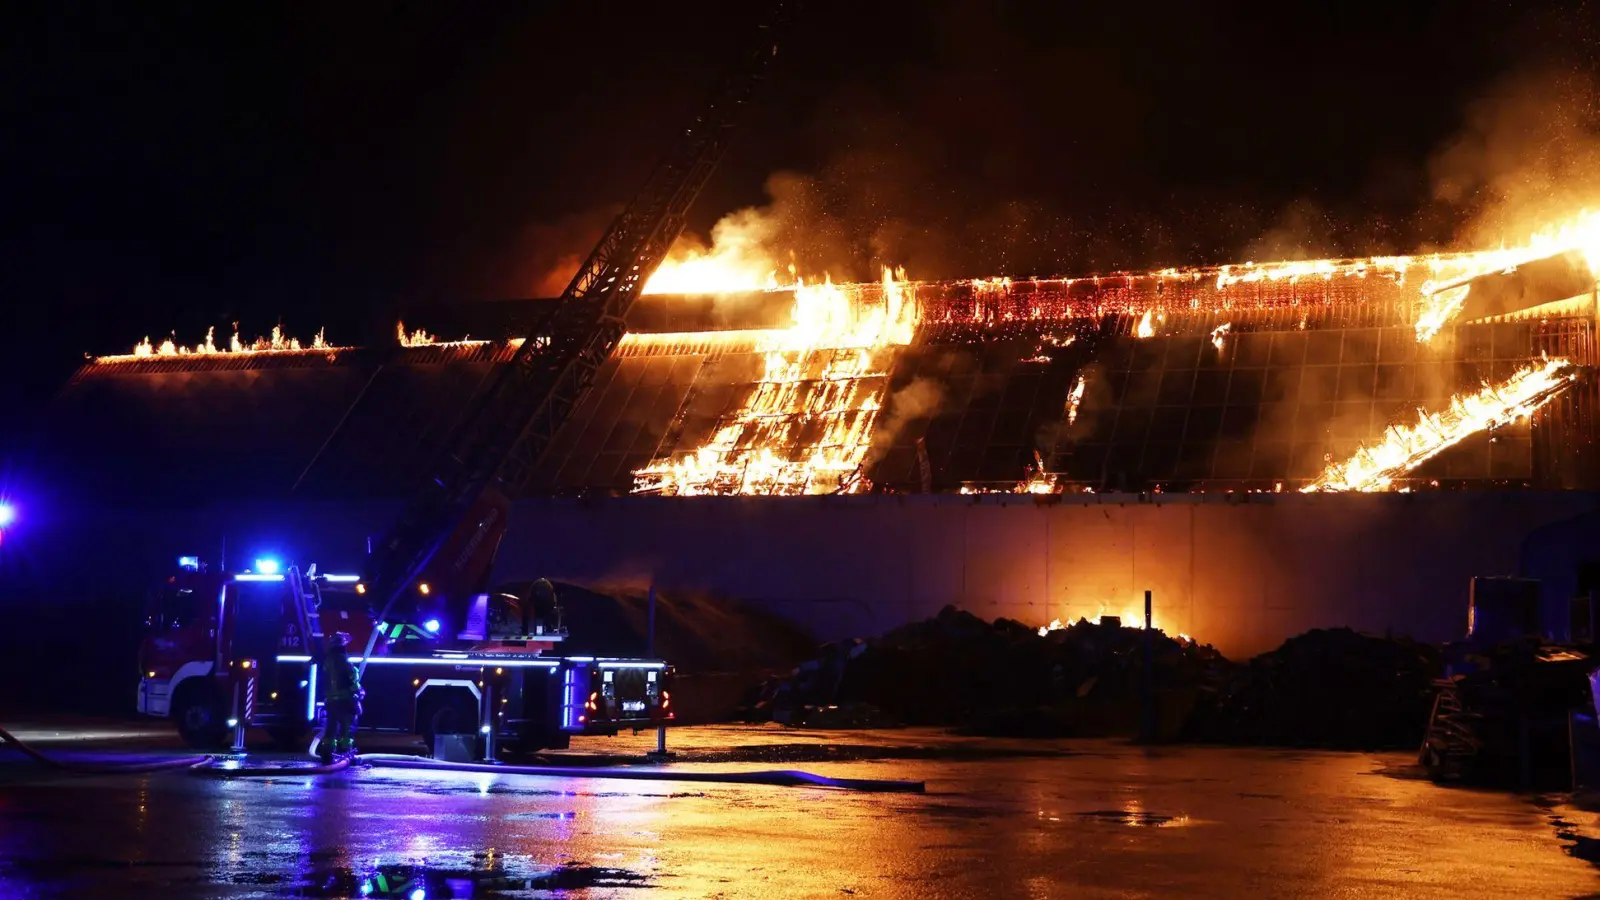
(226, 649)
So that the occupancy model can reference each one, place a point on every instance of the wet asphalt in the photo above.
(999, 819)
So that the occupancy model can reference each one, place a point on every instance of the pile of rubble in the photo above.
(1326, 688)
(1333, 688)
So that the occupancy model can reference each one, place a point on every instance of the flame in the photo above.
(418, 338)
(1042, 355)
(737, 260)
(806, 426)
(1404, 447)
(1219, 335)
(1444, 295)
(1075, 398)
(1130, 617)
(277, 342)
(1144, 329)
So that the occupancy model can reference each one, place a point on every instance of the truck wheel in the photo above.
(199, 717)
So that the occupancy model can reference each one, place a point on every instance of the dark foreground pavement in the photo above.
(1000, 819)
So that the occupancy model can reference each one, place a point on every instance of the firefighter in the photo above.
(343, 706)
(542, 607)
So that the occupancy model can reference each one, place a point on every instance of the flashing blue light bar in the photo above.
(431, 626)
(247, 576)
(342, 579)
(191, 563)
(267, 566)
(8, 514)
(446, 660)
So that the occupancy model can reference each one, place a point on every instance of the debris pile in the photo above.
(999, 678)
(1325, 688)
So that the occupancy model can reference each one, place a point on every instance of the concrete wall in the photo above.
(1243, 572)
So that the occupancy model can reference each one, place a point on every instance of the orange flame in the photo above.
(807, 425)
(418, 338)
(1219, 335)
(277, 342)
(1075, 398)
(1404, 447)
(1444, 295)
(1130, 617)
(1144, 329)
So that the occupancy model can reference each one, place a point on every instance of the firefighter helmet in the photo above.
(339, 639)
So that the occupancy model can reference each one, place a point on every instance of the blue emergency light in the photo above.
(431, 626)
(267, 566)
(8, 514)
(189, 563)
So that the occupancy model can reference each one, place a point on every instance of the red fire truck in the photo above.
(224, 649)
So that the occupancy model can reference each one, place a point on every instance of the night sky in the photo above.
(184, 166)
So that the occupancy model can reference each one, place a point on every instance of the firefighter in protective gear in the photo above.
(542, 608)
(343, 706)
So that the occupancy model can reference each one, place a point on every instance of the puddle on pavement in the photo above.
(1577, 844)
(1134, 818)
(412, 882)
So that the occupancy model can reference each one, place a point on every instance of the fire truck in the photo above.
(442, 653)
(223, 649)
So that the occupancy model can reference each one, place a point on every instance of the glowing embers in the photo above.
(1130, 617)
(1404, 447)
(277, 342)
(806, 424)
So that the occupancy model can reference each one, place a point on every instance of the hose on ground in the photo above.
(778, 777)
(213, 769)
(100, 768)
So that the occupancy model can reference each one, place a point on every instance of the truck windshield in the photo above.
(172, 607)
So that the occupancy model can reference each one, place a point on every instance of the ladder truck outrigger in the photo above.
(441, 654)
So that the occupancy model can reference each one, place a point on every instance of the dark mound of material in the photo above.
(1326, 688)
(999, 679)
(696, 633)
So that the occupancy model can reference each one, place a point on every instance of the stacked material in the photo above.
(1326, 688)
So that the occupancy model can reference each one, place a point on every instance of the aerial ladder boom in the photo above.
(504, 431)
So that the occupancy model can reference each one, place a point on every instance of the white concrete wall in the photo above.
(1242, 572)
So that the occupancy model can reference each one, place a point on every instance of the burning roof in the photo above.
(1358, 374)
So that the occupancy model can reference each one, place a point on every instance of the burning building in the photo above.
(855, 455)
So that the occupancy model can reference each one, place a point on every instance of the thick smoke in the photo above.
(1528, 156)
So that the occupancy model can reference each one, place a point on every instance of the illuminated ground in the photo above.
(1000, 819)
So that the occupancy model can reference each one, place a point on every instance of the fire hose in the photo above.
(198, 765)
(100, 768)
(776, 777)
